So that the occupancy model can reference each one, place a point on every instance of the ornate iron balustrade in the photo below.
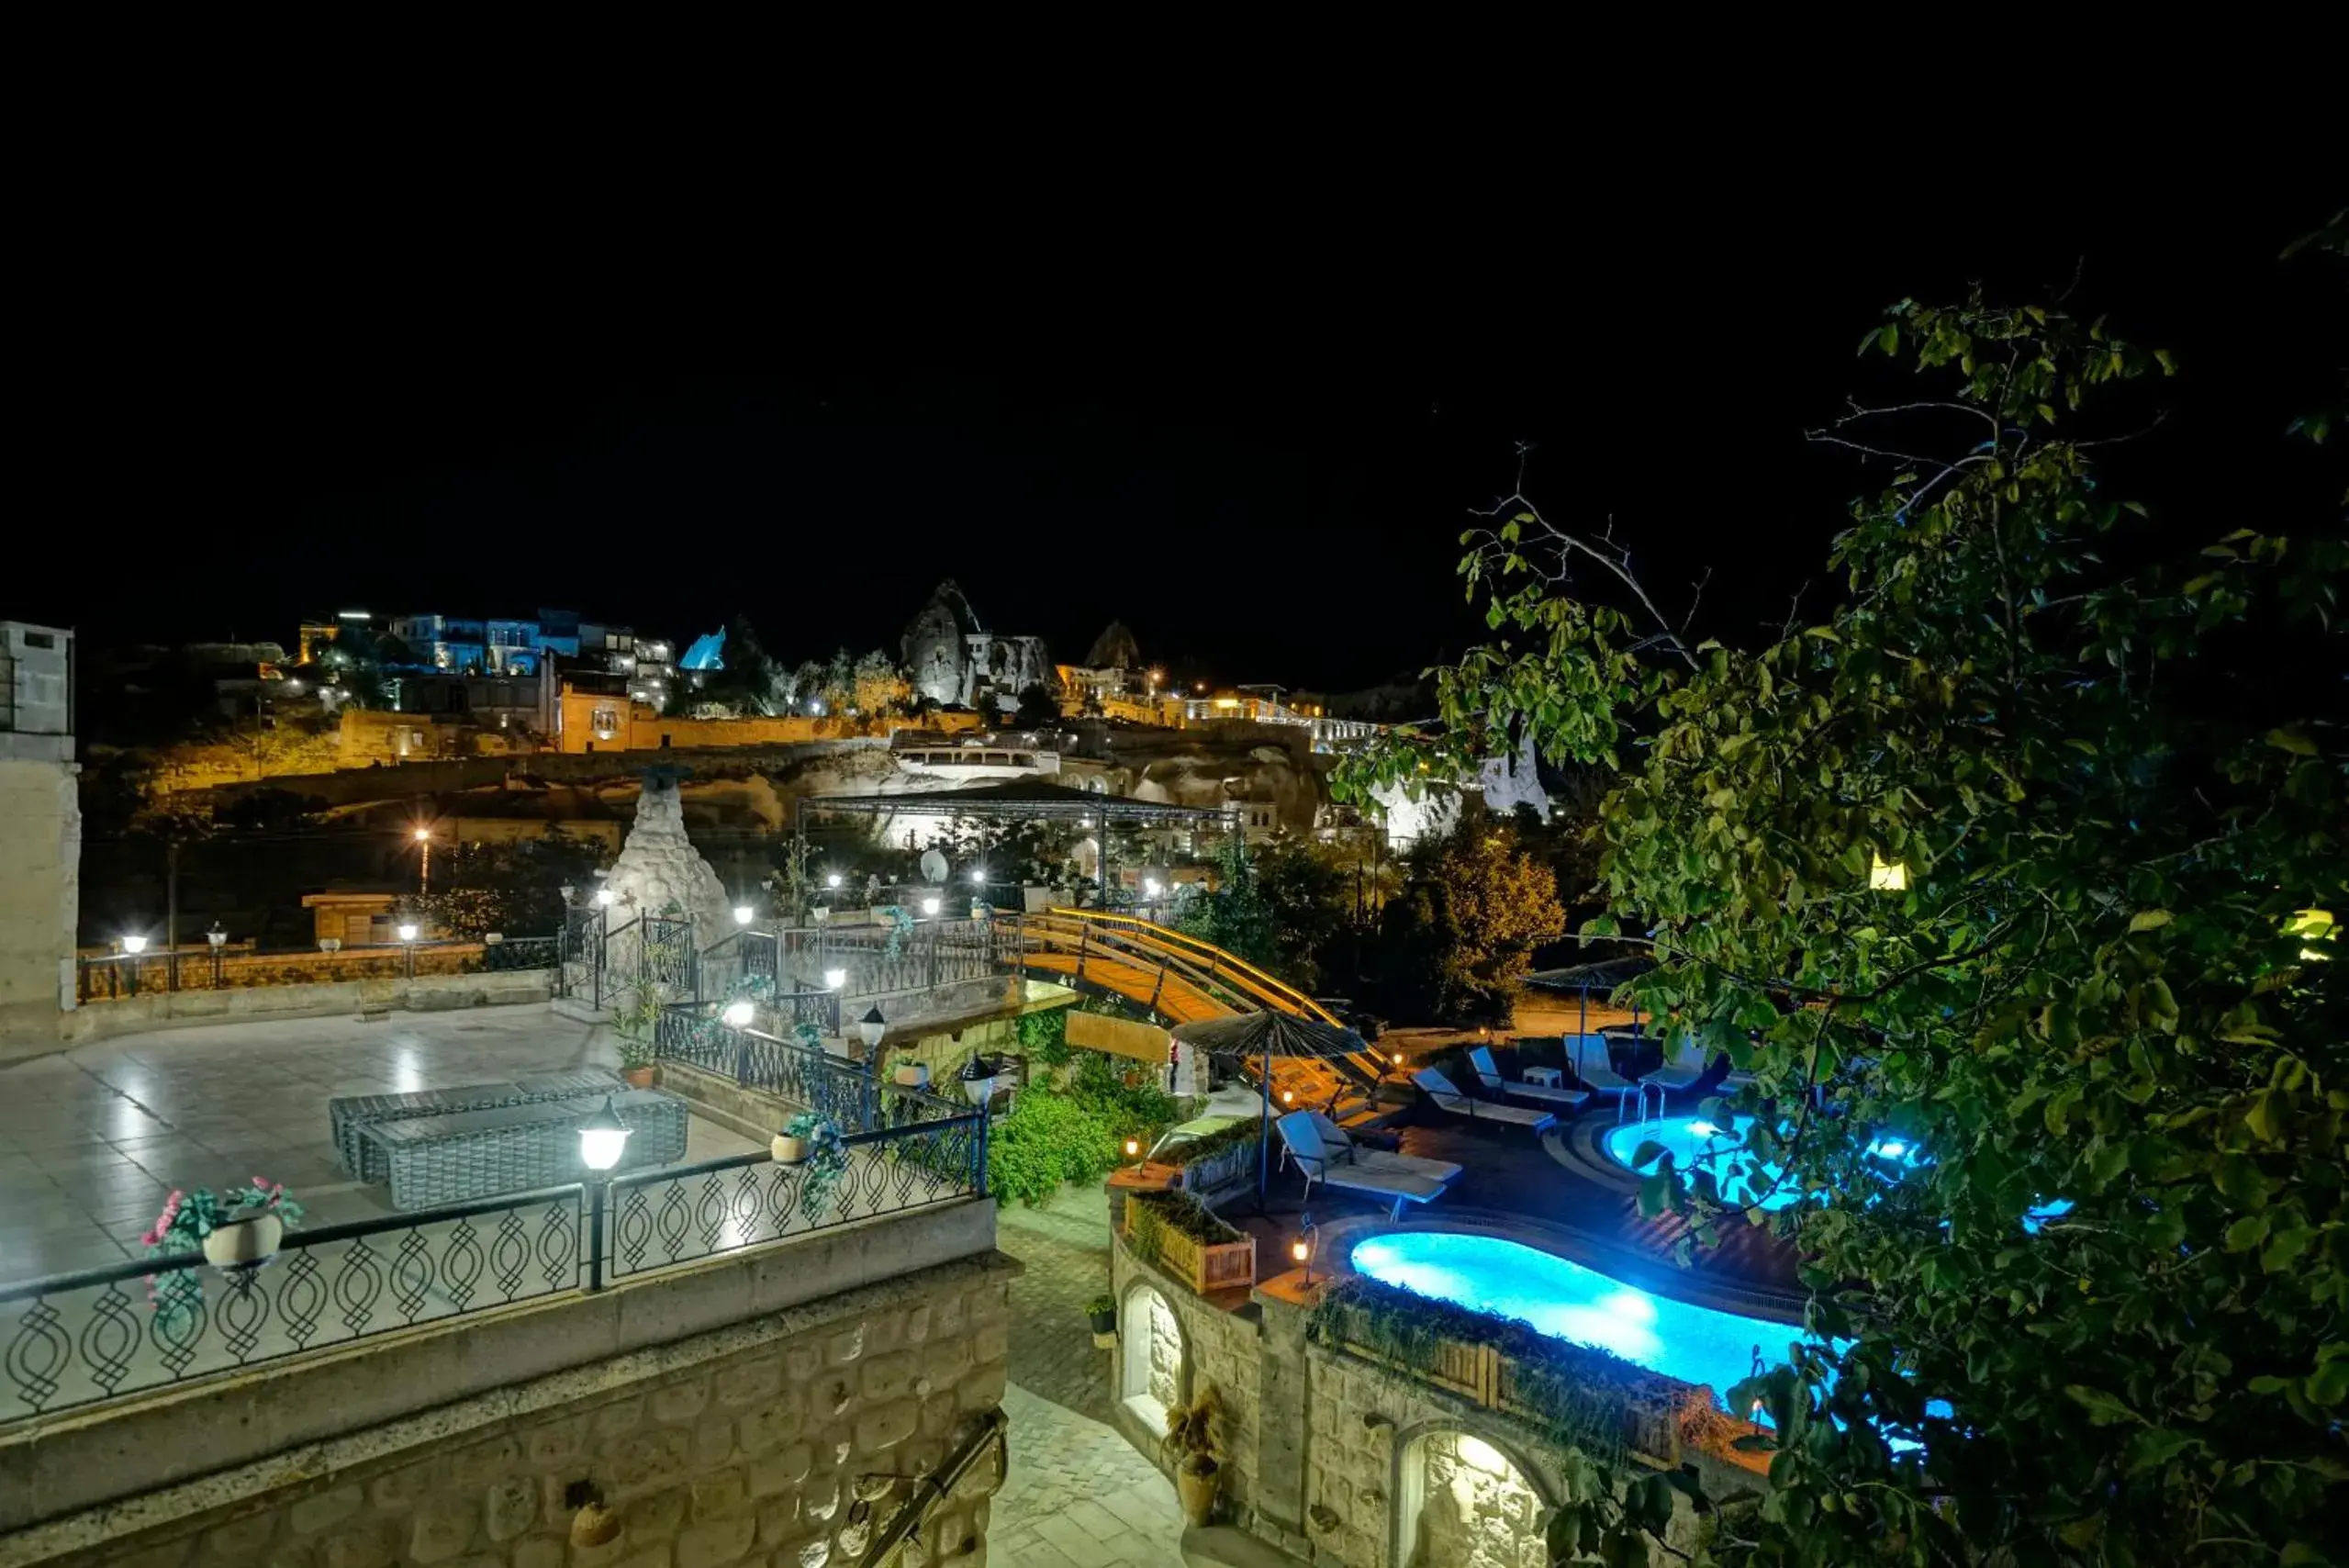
(74, 1340)
(77, 1340)
(660, 1219)
(877, 959)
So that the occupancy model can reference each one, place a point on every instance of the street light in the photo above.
(831, 880)
(407, 931)
(744, 913)
(978, 875)
(134, 944)
(930, 907)
(738, 1015)
(603, 1138)
(217, 937)
(871, 1027)
(835, 980)
(603, 897)
(1150, 887)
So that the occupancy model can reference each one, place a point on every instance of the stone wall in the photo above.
(749, 1446)
(41, 874)
(1219, 1348)
(153, 1009)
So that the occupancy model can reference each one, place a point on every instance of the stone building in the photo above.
(953, 660)
(41, 836)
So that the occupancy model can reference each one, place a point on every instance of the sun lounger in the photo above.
(1682, 1067)
(1489, 1075)
(1339, 1145)
(1388, 1184)
(1438, 1088)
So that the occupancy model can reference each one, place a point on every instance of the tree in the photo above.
(2006, 854)
(1234, 913)
(514, 888)
(1456, 945)
(1309, 895)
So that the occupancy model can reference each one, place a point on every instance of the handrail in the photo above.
(1151, 934)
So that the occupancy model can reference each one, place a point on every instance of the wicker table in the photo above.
(456, 1156)
(349, 1117)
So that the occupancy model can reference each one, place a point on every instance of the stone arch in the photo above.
(1153, 1358)
(1465, 1499)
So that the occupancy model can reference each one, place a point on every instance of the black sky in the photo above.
(1252, 434)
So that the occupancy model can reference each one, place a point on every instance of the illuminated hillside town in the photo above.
(1338, 1030)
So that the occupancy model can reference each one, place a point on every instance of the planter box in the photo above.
(1205, 1266)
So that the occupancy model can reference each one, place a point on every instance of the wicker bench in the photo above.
(456, 1156)
(346, 1116)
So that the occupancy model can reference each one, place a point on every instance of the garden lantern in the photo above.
(930, 908)
(744, 914)
(738, 1015)
(831, 880)
(134, 944)
(835, 980)
(603, 1139)
(871, 1027)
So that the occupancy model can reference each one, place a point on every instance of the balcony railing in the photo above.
(77, 1340)
(836, 1088)
(113, 976)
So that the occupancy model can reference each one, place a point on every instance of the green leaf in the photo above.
(2148, 920)
(2292, 741)
(2104, 1409)
(2330, 1385)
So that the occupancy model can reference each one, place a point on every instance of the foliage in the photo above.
(1233, 915)
(514, 888)
(1180, 1212)
(826, 1163)
(1129, 1100)
(1045, 1142)
(1207, 1146)
(1308, 893)
(2111, 779)
(1043, 1036)
(1189, 1442)
(1456, 945)
(1100, 1305)
(635, 1015)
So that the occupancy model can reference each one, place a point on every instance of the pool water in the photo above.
(1508, 1279)
(1695, 1143)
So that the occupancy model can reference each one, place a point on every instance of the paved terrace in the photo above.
(92, 1141)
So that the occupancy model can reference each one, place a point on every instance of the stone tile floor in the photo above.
(91, 1140)
(1076, 1492)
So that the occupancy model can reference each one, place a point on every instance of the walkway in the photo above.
(93, 1141)
(1076, 1492)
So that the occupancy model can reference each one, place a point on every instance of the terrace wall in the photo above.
(873, 1351)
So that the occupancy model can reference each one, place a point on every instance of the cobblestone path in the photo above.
(1065, 1248)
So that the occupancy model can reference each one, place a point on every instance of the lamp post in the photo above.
(930, 907)
(133, 943)
(216, 938)
(738, 1015)
(603, 1139)
(1301, 1250)
(408, 945)
(871, 1027)
(424, 865)
(743, 916)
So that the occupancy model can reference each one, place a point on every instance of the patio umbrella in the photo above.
(1264, 1036)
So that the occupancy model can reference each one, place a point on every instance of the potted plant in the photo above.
(910, 1073)
(824, 1160)
(799, 1138)
(1102, 1312)
(977, 1076)
(635, 1018)
(1190, 1445)
(240, 1230)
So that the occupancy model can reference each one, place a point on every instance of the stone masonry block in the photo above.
(373, 1544)
(717, 1497)
(555, 1443)
(509, 1507)
(945, 1361)
(679, 1401)
(473, 1468)
(656, 1517)
(938, 1414)
(397, 1489)
(620, 1416)
(762, 1430)
(326, 1510)
(884, 1332)
(647, 1460)
(821, 1500)
(778, 1524)
(983, 1389)
(239, 1541)
(917, 1323)
(800, 1362)
(713, 1443)
(947, 1317)
(442, 1527)
(889, 1374)
(845, 1346)
(717, 1543)
(780, 1471)
(169, 1554)
(886, 1425)
(834, 1395)
(991, 1343)
(539, 1552)
(752, 1383)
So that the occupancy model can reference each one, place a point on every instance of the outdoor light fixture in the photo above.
(738, 1015)
(835, 980)
(1288, 1096)
(422, 833)
(602, 1137)
(1301, 1249)
(1887, 877)
(871, 1027)
(603, 897)
(833, 879)
(407, 932)
(217, 937)
(978, 874)
(1150, 887)
(1132, 1148)
(930, 907)
(134, 945)
(743, 914)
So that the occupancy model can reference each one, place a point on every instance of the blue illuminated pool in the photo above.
(1695, 1143)
(1507, 1279)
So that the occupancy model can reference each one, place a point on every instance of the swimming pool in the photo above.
(1508, 1279)
(1695, 1143)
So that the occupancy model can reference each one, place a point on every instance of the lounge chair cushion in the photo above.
(1439, 1089)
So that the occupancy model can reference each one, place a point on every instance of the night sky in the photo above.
(1252, 435)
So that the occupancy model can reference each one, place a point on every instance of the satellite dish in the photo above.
(933, 866)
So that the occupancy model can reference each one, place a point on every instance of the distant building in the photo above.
(521, 704)
(956, 662)
(1262, 705)
(971, 758)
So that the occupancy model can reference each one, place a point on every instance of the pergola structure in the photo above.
(1022, 800)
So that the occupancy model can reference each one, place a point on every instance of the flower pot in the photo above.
(1197, 1490)
(1104, 1322)
(240, 1243)
(911, 1075)
(788, 1149)
(637, 1077)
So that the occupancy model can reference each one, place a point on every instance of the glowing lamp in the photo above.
(831, 880)
(217, 937)
(738, 1015)
(1288, 1096)
(422, 833)
(408, 931)
(1134, 1148)
(1887, 877)
(134, 945)
(930, 907)
(978, 874)
(1299, 1251)
(1150, 887)
(743, 914)
(871, 1027)
(833, 979)
(603, 897)
(603, 1139)
(1398, 1059)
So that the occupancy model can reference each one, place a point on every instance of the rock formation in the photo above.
(937, 646)
(1114, 649)
(658, 867)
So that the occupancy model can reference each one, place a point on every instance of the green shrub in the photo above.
(1046, 1142)
(1044, 1037)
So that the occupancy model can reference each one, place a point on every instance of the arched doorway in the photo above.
(1150, 1369)
(1462, 1503)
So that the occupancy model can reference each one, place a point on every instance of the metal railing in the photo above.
(110, 976)
(840, 1090)
(80, 1339)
